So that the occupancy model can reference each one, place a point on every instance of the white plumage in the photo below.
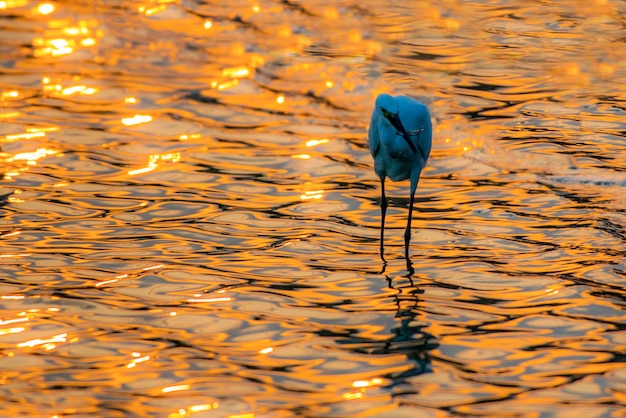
(400, 139)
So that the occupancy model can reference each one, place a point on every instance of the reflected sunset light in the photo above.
(194, 409)
(209, 300)
(9, 4)
(191, 217)
(32, 157)
(351, 396)
(312, 194)
(175, 388)
(226, 85)
(134, 362)
(47, 343)
(9, 115)
(84, 90)
(29, 158)
(45, 8)
(301, 156)
(316, 142)
(237, 72)
(368, 383)
(15, 330)
(10, 94)
(153, 162)
(26, 135)
(136, 120)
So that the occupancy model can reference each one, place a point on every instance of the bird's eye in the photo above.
(386, 113)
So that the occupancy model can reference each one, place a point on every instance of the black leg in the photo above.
(383, 212)
(407, 232)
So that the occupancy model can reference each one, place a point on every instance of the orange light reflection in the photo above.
(10, 94)
(9, 4)
(175, 388)
(61, 338)
(136, 120)
(106, 282)
(43, 129)
(193, 409)
(15, 330)
(83, 90)
(316, 142)
(312, 194)
(153, 10)
(136, 361)
(236, 72)
(32, 157)
(45, 8)
(226, 85)
(158, 266)
(210, 300)
(152, 164)
(352, 395)
(368, 383)
(185, 137)
(24, 136)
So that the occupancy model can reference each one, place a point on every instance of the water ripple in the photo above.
(190, 218)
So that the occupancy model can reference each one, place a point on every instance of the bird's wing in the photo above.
(372, 133)
(416, 118)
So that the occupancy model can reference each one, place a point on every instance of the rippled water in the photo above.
(190, 215)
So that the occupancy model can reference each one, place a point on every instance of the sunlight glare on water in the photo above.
(190, 215)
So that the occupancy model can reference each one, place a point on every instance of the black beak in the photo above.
(395, 121)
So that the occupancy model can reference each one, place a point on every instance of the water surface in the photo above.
(190, 215)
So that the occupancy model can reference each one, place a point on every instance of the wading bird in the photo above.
(400, 138)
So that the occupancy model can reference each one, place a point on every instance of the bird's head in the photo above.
(390, 110)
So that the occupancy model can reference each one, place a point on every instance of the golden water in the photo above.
(190, 215)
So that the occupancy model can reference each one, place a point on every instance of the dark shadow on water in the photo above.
(4, 199)
(408, 336)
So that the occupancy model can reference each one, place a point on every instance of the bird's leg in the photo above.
(383, 212)
(407, 232)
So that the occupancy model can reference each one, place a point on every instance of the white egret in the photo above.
(400, 139)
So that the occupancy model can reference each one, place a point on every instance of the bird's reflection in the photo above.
(409, 264)
(408, 336)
